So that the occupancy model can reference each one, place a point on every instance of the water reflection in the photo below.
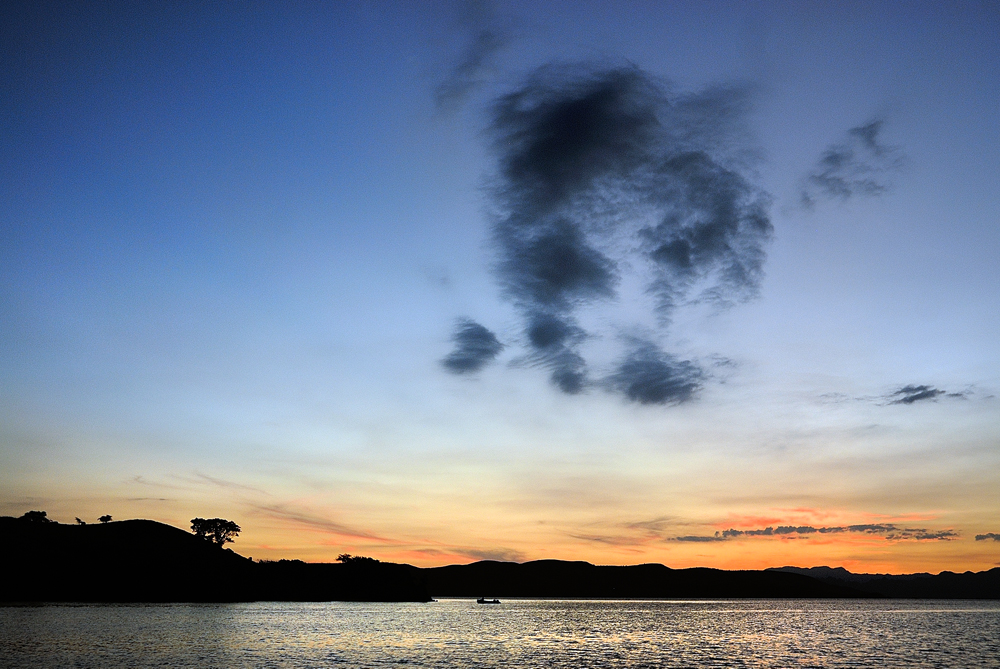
(523, 633)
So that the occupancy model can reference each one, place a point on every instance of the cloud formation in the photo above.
(475, 347)
(859, 166)
(988, 536)
(486, 40)
(910, 394)
(647, 375)
(602, 173)
(889, 531)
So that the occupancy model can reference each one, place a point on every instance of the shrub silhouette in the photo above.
(80, 522)
(105, 519)
(217, 530)
(36, 517)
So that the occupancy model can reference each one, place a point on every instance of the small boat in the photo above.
(483, 600)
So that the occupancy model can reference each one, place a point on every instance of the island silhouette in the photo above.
(149, 561)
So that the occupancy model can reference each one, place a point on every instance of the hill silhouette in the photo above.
(147, 561)
(946, 585)
(557, 578)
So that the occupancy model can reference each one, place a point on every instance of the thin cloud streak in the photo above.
(889, 531)
(910, 394)
(279, 512)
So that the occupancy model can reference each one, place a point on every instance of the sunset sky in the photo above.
(699, 283)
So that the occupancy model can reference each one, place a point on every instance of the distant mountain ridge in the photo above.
(946, 585)
(558, 578)
(147, 561)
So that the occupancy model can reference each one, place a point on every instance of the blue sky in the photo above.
(235, 242)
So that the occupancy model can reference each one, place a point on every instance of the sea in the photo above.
(519, 633)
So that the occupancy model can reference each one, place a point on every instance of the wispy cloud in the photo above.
(989, 536)
(141, 480)
(314, 522)
(610, 539)
(858, 166)
(485, 38)
(910, 393)
(222, 483)
(497, 553)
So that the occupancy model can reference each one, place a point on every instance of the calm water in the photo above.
(516, 633)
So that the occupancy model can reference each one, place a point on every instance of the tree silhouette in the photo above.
(36, 517)
(217, 530)
(347, 558)
(105, 519)
(80, 522)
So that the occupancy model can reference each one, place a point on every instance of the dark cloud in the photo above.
(699, 539)
(860, 165)
(498, 554)
(485, 39)
(889, 531)
(988, 536)
(647, 375)
(475, 347)
(910, 394)
(601, 172)
(907, 394)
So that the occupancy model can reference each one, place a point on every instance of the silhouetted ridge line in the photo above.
(557, 579)
(147, 561)
(946, 585)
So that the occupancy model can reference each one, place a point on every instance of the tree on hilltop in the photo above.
(105, 519)
(219, 531)
(36, 517)
(347, 558)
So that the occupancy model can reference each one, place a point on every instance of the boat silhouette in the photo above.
(483, 600)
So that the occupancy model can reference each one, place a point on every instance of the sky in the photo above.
(698, 283)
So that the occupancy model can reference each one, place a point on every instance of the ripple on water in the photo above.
(522, 633)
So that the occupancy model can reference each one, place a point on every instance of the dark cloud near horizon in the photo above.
(498, 554)
(602, 171)
(890, 531)
(988, 536)
(859, 166)
(912, 393)
(475, 347)
(486, 39)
